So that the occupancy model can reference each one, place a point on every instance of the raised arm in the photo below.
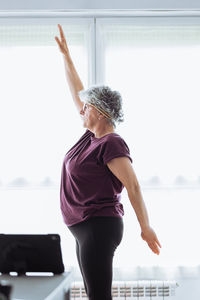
(121, 167)
(73, 79)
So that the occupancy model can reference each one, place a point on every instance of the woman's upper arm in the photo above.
(79, 104)
(122, 168)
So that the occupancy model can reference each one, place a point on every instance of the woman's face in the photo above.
(89, 115)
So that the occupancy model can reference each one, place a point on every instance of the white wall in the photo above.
(96, 4)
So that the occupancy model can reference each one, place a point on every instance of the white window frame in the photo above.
(95, 18)
(141, 20)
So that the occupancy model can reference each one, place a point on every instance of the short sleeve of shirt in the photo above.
(113, 147)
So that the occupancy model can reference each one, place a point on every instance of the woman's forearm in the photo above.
(137, 202)
(73, 80)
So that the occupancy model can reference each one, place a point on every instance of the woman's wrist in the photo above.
(66, 55)
(145, 227)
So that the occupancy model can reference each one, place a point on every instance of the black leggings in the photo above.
(96, 240)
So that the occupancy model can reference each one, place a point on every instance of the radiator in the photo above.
(132, 290)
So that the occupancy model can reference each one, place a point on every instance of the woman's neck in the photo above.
(103, 131)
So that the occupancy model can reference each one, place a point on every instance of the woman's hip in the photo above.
(99, 229)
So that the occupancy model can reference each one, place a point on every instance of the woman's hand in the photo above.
(150, 237)
(62, 44)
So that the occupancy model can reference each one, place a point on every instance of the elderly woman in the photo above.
(94, 172)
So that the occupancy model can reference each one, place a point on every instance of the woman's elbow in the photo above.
(133, 187)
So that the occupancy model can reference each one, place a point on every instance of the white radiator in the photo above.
(132, 290)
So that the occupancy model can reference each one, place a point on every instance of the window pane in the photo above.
(37, 111)
(155, 68)
(39, 123)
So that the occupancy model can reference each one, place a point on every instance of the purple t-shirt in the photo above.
(88, 187)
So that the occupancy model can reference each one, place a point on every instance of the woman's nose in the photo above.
(81, 112)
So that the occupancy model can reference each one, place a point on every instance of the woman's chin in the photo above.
(84, 122)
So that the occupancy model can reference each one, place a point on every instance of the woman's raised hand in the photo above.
(150, 237)
(62, 44)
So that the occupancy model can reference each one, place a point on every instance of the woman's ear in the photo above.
(99, 115)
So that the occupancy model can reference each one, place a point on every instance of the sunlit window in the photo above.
(39, 123)
(155, 67)
(154, 63)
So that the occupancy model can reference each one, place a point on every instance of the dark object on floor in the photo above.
(23, 253)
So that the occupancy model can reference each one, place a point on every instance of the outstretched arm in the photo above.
(121, 167)
(73, 79)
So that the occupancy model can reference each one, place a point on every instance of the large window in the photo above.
(154, 63)
(37, 113)
(38, 121)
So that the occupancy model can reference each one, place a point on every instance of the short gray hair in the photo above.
(106, 99)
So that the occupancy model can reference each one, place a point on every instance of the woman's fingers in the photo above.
(61, 32)
(57, 40)
(157, 241)
(62, 43)
(59, 44)
(151, 238)
(154, 247)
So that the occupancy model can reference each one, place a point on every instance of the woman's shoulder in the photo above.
(113, 140)
(114, 137)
